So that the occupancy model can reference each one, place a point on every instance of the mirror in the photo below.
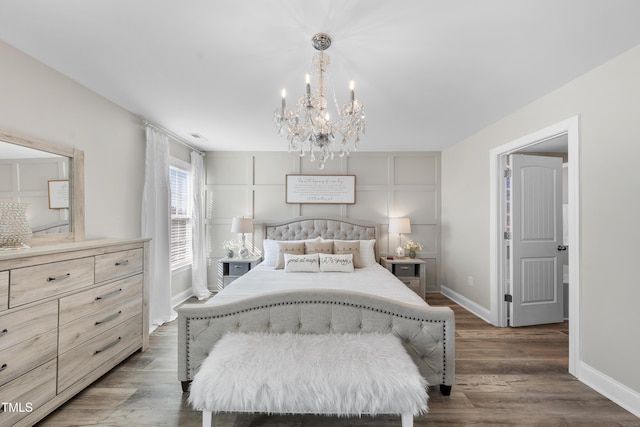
(50, 179)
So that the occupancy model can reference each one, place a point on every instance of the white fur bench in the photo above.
(330, 374)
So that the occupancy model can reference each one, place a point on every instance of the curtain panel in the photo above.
(156, 224)
(199, 267)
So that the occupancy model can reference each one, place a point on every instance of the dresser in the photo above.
(69, 313)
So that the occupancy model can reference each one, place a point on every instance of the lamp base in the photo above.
(400, 252)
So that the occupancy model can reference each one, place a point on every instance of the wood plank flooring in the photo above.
(504, 376)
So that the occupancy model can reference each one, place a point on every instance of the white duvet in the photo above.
(374, 280)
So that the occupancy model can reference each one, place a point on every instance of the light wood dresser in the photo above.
(68, 314)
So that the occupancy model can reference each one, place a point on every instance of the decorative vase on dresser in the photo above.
(69, 313)
(14, 227)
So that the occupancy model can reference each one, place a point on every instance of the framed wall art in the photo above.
(59, 194)
(332, 189)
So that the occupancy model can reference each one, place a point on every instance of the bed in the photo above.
(368, 300)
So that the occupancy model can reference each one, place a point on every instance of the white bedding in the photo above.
(374, 280)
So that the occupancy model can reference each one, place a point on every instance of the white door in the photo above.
(536, 240)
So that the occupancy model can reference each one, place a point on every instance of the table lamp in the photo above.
(242, 225)
(400, 226)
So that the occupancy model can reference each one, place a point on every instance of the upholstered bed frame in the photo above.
(428, 333)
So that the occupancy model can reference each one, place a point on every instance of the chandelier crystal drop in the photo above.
(308, 126)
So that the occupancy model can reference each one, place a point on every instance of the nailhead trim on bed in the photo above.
(358, 306)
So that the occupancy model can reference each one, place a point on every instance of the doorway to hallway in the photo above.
(568, 130)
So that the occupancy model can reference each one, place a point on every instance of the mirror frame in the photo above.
(76, 179)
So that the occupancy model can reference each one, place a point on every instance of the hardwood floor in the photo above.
(504, 376)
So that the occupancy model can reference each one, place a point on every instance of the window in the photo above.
(181, 236)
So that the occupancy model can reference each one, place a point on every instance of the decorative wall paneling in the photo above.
(388, 184)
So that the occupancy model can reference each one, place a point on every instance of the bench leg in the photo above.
(209, 419)
(445, 390)
(407, 420)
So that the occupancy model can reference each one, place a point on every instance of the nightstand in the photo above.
(411, 271)
(229, 269)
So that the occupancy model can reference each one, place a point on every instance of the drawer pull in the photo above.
(125, 262)
(108, 346)
(52, 279)
(112, 294)
(108, 319)
(5, 331)
(3, 367)
(404, 267)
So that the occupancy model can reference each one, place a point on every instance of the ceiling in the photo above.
(429, 72)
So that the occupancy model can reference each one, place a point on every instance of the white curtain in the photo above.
(156, 224)
(199, 267)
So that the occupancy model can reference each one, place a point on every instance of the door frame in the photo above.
(498, 282)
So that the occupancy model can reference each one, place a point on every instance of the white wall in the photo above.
(607, 99)
(397, 184)
(37, 101)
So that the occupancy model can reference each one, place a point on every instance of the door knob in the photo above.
(562, 247)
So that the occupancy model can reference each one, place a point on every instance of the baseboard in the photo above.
(176, 300)
(611, 389)
(608, 387)
(466, 303)
(181, 297)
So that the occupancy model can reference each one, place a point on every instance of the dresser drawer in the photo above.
(27, 393)
(24, 356)
(18, 326)
(91, 312)
(405, 270)
(4, 290)
(412, 283)
(238, 268)
(92, 300)
(100, 353)
(42, 281)
(118, 264)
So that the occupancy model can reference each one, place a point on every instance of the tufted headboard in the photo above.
(328, 228)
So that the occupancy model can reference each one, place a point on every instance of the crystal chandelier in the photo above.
(308, 126)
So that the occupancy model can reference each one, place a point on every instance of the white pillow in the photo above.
(368, 252)
(307, 263)
(340, 263)
(270, 250)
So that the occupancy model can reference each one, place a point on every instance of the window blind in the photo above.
(181, 213)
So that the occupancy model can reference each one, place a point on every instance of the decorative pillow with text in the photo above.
(339, 263)
(307, 263)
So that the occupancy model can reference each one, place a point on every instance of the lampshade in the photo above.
(399, 225)
(242, 225)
